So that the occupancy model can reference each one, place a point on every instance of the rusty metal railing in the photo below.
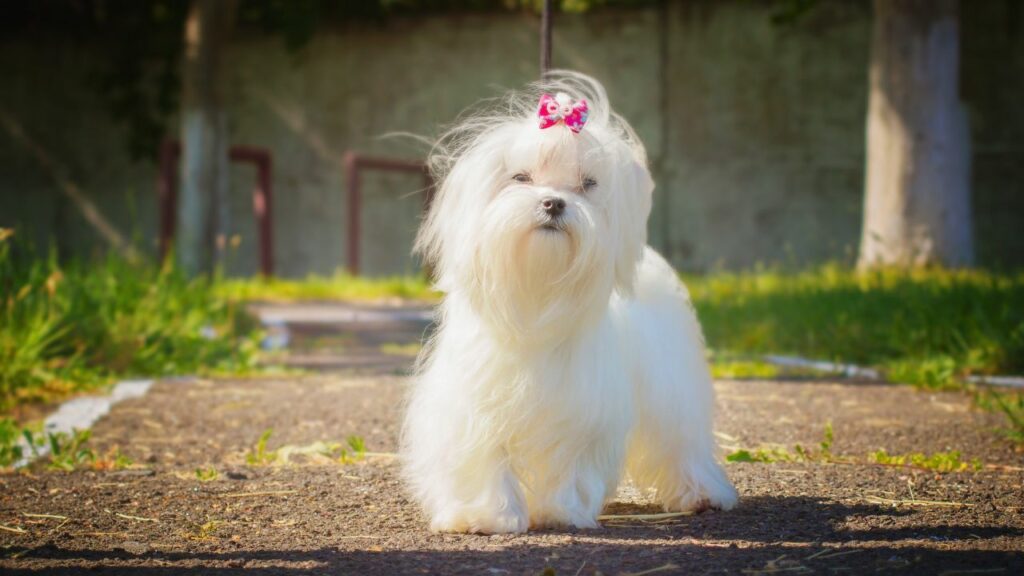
(167, 192)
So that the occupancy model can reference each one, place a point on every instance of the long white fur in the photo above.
(562, 358)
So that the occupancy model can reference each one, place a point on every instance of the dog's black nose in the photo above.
(553, 206)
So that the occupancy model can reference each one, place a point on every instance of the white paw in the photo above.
(563, 519)
(504, 522)
(697, 501)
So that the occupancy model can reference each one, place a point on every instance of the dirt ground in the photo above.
(305, 514)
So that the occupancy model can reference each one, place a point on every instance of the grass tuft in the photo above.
(260, 456)
(69, 327)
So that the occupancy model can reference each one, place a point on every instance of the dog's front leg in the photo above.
(480, 496)
(575, 495)
(459, 474)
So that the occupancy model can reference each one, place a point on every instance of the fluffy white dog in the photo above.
(568, 351)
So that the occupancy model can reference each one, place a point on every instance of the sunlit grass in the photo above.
(66, 328)
(929, 327)
(340, 286)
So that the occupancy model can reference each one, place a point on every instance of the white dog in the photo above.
(567, 351)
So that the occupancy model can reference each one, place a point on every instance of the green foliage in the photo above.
(765, 455)
(1011, 405)
(260, 456)
(825, 446)
(66, 328)
(799, 453)
(10, 450)
(355, 450)
(207, 474)
(68, 451)
(65, 451)
(939, 461)
(340, 286)
(734, 368)
(928, 327)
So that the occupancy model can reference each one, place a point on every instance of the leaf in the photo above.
(740, 456)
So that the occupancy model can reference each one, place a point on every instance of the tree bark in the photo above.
(203, 205)
(917, 205)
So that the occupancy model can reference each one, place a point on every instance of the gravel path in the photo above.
(312, 515)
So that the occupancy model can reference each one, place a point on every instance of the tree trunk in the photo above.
(203, 207)
(917, 205)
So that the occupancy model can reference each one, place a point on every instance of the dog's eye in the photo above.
(588, 183)
(522, 178)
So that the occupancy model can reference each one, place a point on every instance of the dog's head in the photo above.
(528, 221)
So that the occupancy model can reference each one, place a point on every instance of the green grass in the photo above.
(928, 327)
(64, 451)
(259, 455)
(1010, 405)
(66, 328)
(340, 286)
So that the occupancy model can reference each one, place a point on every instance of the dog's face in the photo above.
(535, 225)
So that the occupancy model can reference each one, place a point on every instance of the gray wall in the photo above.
(756, 131)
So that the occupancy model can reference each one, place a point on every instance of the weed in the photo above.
(825, 446)
(355, 450)
(207, 474)
(114, 459)
(939, 461)
(260, 456)
(68, 451)
(10, 448)
(765, 455)
(204, 531)
(1011, 405)
(799, 453)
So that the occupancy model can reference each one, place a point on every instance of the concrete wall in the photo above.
(756, 131)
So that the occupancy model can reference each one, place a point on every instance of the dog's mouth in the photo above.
(552, 225)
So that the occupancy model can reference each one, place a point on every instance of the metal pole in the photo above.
(351, 163)
(545, 39)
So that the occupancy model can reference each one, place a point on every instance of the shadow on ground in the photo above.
(765, 535)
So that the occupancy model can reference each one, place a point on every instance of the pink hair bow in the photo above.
(561, 108)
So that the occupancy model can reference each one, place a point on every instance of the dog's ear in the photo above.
(435, 237)
(445, 237)
(631, 208)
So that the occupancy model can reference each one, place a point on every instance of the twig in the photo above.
(254, 494)
(136, 518)
(669, 566)
(843, 553)
(13, 529)
(59, 526)
(51, 516)
(644, 517)
(777, 570)
(880, 500)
